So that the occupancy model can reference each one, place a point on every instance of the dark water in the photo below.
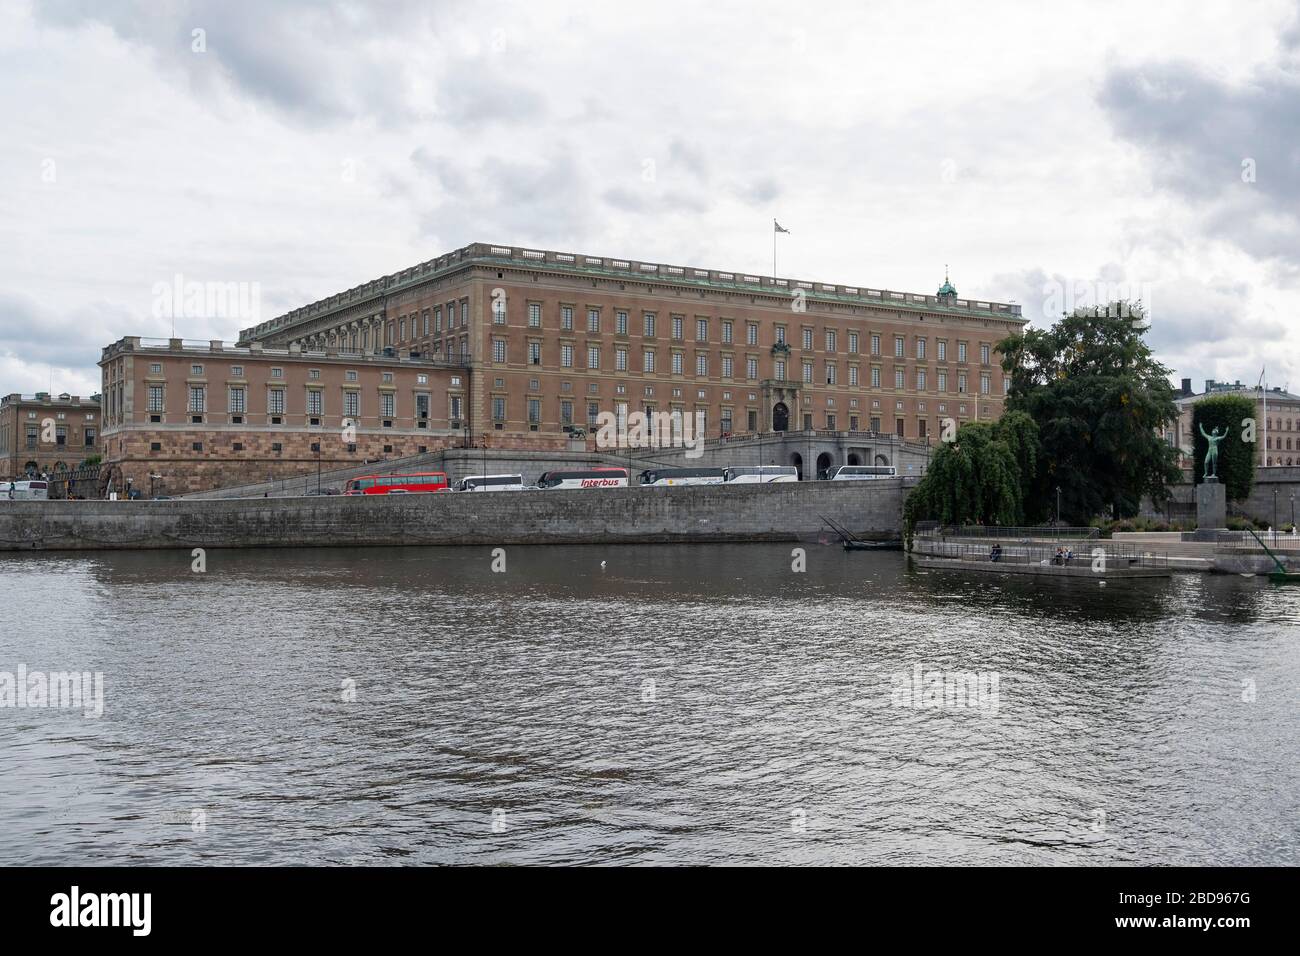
(507, 718)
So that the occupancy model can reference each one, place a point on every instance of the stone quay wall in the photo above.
(773, 512)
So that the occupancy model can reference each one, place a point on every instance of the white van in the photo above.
(490, 483)
(760, 475)
(24, 490)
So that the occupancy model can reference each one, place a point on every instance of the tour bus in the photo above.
(682, 476)
(24, 490)
(491, 483)
(760, 474)
(397, 484)
(862, 472)
(587, 478)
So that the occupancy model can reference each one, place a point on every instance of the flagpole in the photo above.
(1263, 454)
(773, 249)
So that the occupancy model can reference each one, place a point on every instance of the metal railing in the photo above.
(1059, 532)
(1116, 555)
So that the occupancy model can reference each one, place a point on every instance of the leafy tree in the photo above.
(1101, 402)
(1236, 464)
(978, 477)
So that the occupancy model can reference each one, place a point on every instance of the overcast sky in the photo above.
(1046, 152)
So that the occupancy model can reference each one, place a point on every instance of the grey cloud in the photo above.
(1231, 149)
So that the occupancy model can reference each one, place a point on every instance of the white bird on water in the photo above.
(602, 565)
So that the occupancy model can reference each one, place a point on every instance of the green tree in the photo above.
(1101, 401)
(979, 476)
(1236, 464)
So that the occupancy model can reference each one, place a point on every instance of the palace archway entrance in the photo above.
(780, 417)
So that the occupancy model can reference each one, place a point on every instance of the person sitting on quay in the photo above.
(996, 553)
(1069, 556)
(1060, 556)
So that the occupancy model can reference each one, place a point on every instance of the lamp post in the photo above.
(315, 446)
(1058, 511)
(1293, 528)
(1274, 515)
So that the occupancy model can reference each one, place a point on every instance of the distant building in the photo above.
(1277, 418)
(42, 434)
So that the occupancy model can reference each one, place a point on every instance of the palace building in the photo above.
(522, 349)
(44, 434)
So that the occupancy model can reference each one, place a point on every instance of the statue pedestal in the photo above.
(1211, 509)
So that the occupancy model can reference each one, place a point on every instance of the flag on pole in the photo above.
(779, 227)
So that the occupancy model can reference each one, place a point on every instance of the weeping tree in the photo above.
(979, 476)
(1101, 402)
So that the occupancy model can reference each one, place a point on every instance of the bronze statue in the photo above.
(1212, 452)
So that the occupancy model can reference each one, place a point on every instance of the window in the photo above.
(351, 404)
(853, 375)
(898, 378)
(197, 395)
(648, 360)
(701, 365)
(593, 414)
(780, 335)
(751, 368)
(726, 420)
(498, 350)
(678, 331)
(726, 333)
(984, 384)
(900, 427)
(853, 345)
(388, 376)
(677, 363)
(534, 353)
(727, 363)
(90, 437)
(808, 338)
(751, 333)
(920, 348)
(620, 323)
(593, 356)
(155, 368)
(196, 369)
(237, 404)
(593, 320)
(649, 325)
(961, 351)
(920, 379)
(830, 373)
(275, 401)
(313, 373)
(875, 376)
(534, 411)
(566, 318)
(424, 315)
(620, 360)
(277, 373)
(984, 355)
(807, 371)
(943, 381)
(875, 345)
(464, 312)
(961, 381)
(196, 446)
(453, 406)
(830, 341)
(701, 330)
(315, 402)
(351, 375)
(830, 422)
(779, 370)
(61, 435)
(155, 398)
(237, 371)
(943, 350)
(898, 346)
(401, 337)
(566, 413)
(566, 356)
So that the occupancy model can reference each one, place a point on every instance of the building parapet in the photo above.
(44, 398)
(629, 269)
(390, 356)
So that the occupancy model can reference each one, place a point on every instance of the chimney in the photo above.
(1187, 387)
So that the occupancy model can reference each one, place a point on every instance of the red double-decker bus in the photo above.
(398, 484)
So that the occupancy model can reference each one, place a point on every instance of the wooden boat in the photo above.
(852, 542)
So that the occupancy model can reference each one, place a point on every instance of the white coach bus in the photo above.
(677, 477)
(24, 490)
(491, 483)
(587, 478)
(760, 474)
(862, 472)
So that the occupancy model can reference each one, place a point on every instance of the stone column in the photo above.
(1211, 509)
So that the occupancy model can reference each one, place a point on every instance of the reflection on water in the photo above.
(678, 704)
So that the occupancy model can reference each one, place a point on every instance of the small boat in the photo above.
(852, 542)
